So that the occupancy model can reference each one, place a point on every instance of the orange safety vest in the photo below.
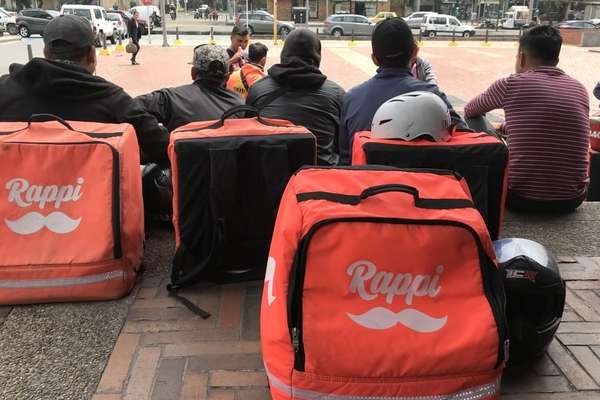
(241, 80)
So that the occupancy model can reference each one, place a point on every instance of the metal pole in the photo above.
(486, 35)
(307, 12)
(275, 22)
(326, 9)
(149, 25)
(164, 22)
(29, 51)
(247, 14)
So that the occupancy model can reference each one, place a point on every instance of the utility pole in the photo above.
(417, 5)
(164, 22)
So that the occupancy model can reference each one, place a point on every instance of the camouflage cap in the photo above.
(205, 54)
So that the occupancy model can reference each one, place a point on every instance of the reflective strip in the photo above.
(61, 282)
(476, 393)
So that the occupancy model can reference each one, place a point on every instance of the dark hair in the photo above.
(542, 43)
(257, 51)
(239, 31)
(393, 43)
(63, 50)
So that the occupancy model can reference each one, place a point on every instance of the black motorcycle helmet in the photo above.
(535, 295)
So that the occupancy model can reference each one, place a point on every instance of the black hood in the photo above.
(300, 60)
(54, 78)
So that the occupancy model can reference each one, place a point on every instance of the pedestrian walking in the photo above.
(135, 34)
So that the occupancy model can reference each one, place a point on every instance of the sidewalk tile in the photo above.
(572, 370)
(195, 386)
(117, 369)
(202, 348)
(169, 376)
(237, 379)
(142, 374)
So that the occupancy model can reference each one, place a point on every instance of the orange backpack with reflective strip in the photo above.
(72, 224)
(382, 284)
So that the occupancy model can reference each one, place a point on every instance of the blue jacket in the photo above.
(362, 101)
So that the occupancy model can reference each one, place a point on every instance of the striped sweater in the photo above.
(547, 126)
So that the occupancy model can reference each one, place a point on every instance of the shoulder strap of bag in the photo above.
(244, 81)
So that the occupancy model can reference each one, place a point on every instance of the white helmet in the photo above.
(412, 115)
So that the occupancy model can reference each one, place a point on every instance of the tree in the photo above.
(21, 4)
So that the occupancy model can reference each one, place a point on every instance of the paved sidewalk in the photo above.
(164, 352)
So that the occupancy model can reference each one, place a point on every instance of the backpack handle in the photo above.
(46, 118)
(354, 200)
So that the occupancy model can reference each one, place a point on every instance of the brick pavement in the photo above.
(164, 352)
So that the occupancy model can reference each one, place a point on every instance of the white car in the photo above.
(9, 22)
(96, 15)
(415, 19)
(441, 24)
(119, 24)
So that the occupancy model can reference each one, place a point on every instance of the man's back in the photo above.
(70, 92)
(317, 108)
(198, 101)
(547, 125)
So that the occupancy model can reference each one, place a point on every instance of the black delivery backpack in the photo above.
(480, 158)
(228, 178)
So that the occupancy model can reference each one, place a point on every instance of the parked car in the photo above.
(348, 24)
(32, 21)
(119, 24)
(445, 24)
(383, 15)
(10, 13)
(415, 19)
(9, 22)
(262, 22)
(595, 21)
(96, 15)
(577, 25)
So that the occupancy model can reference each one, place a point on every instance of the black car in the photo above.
(32, 21)
(127, 16)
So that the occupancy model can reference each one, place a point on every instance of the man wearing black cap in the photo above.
(63, 84)
(297, 91)
(393, 49)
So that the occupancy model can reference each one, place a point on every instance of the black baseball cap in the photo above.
(69, 29)
(392, 41)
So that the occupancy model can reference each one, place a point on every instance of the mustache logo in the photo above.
(381, 318)
(32, 222)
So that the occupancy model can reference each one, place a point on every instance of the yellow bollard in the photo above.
(104, 51)
(178, 42)
(352, 42)
(486, 43)
(212, 41)
(119, 48)
(453, 42)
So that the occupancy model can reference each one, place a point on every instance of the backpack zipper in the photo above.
(492, 284)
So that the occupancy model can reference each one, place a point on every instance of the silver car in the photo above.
(348, 24)
(262, 22)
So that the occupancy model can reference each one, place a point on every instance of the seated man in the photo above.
(64, 84)
(547, 126)
(394, 52)
(241, 80)
(239, 41)
(296, 90)
(206, 98)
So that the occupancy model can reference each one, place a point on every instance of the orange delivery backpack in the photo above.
(382, 284)
(228, 178)
(72, 225)
(481, 158)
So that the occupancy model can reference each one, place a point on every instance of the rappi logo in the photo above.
(369, 284)
(23, 194)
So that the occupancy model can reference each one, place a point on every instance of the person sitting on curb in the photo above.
(239, 41)
(297, 90)
(547, 126)
(393, 50)
(241, 80)
(206, 98)
(63, 83)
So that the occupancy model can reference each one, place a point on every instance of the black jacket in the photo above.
(317, 109)
(198, 101)
(72, 93)
(134, 30)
